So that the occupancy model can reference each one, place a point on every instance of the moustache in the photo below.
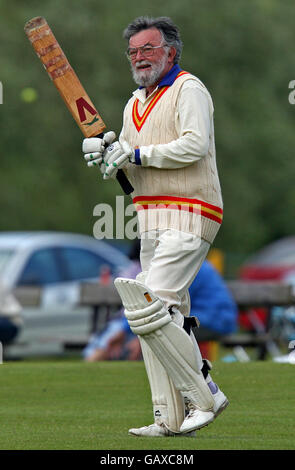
(142, 63)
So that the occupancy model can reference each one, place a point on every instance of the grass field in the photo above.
(72, 405)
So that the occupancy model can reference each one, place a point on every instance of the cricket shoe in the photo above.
(157, 430)
(196, 419)
(220, 402)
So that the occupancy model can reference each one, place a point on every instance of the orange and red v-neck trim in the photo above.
(140, 120)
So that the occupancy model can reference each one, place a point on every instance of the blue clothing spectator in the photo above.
(116, 341)
(212, 304)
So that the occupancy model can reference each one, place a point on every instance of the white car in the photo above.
(58, 263)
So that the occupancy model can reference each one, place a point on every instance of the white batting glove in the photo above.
(94, 147)
(117, 156)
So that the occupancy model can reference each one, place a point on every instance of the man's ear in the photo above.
(172, 54)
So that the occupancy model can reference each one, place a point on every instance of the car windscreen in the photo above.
(5, 256)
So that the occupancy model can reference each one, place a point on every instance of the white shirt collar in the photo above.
(140, 93)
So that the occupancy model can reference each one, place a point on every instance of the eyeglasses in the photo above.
(146, 51)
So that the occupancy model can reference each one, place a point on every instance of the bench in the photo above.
(28, 296)
(105, 301)
(250, 295)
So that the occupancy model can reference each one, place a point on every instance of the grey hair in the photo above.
(164, 24)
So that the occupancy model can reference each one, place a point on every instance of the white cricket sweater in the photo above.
(175, 181)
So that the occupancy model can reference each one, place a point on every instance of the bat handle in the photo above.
(122, 178)
(124, 182)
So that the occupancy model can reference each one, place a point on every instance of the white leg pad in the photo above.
(168, 403)
(144, 311)
(148, 317)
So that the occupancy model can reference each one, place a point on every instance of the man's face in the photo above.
(148, 71)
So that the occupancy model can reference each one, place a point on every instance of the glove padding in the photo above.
(94, 147)
(116, 156)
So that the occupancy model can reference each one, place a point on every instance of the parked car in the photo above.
(57, 263)
(276, 261)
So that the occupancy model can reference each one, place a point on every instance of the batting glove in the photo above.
(94, 147)
(117, 156)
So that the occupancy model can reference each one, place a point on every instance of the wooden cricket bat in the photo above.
(68, 84)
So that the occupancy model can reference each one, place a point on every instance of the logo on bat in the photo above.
(96, 119)
(82, 104)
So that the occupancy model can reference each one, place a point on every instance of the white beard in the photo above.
(148, 77)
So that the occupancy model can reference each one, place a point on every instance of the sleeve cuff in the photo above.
(137, 157)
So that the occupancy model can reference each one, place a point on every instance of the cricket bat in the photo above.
(68, 84)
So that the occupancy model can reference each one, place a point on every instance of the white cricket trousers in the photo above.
(170, 260)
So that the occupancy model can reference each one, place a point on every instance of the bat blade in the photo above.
(63, 76)
(68, 84)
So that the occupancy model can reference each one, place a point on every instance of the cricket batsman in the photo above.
(166, 148)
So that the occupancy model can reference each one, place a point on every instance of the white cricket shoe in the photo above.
(196, 419)
(157, 430)
(220, 403)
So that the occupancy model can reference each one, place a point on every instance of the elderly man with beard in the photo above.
(166, 148)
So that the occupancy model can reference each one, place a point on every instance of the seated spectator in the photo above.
(211, 303)
(117, 341)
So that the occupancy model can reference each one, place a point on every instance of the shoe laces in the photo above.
(191, 409)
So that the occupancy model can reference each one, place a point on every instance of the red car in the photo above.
(275, 262)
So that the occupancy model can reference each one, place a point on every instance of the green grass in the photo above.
(74, 405)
